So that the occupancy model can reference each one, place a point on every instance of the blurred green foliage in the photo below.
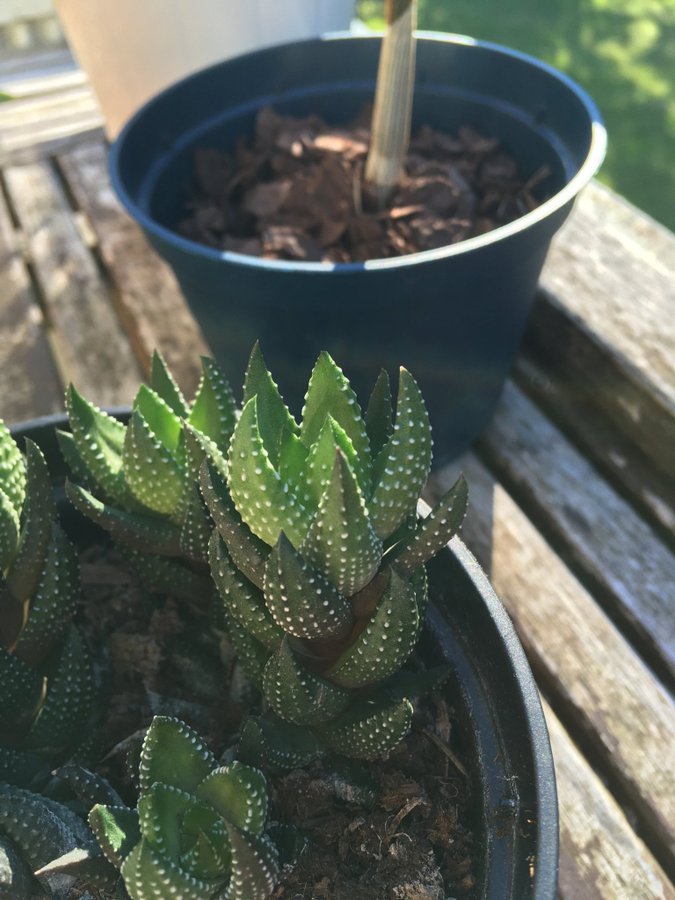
(621, 51)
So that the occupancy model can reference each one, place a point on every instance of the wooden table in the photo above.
(572, 487)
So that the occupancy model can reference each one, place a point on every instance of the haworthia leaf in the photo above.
(168, 576)
(262, 499)
(238, 793)
(100, 443)
(148, 874)
(196, 528)
(274, 416)
(255, 866)
(146, 533)
(162, 421)
(321, 460)
(369, 731)
(214, 409)
(164, 385)
(434, 532)
(116, 829)
(21, 768)
(420, 582)
(252, 653)
(403, 465)
(9, 530)
(68, 703)
(205, 859)
(243, 600)
(301, 599)
(269, 741)
(297, 695)
(292, 464)
(38, 513)
(21, 693)
(386, 642)
(12, 472)
(75, 464)
(379, 415)
(150, 470)
(341, 541)
(88, 786)
(330, 392)
(174, 754)
(53, 603)
(248, 552)
(160, 811)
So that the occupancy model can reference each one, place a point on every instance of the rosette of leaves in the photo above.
(139, 480)
(47, 696)
(319, 559)
(198, 829)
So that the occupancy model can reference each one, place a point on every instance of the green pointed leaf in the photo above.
(251, 653)
(434, 532)
(268, 741)
(255, 866)
(341, 541)
(88, 786)
(379, 415)
(9, 531)
(148, 874)
(67, 707)
(301, 599)
(402, 468)
(175, 755)
(99, 439)
(238, 793)
(321, 461)
(292, 463)
(160, 811)
(329, 392)
(273, 414)
(206, 860)
(196, 529)
(420, 582)
(144, 532)
(248, 552)
(242, 600)
(163, 384)
(38, 513)
(385, 643)
(117, 831)
(20, 696)
(12, 471)
(369, 731)
(214, 409)
(261, 498)
(162, 421)
(297, 695)
(75, 464)
(53, 604)
(151, 471)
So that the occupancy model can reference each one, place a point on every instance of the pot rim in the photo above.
(589, 167)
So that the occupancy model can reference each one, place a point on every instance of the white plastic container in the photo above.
(130, 49)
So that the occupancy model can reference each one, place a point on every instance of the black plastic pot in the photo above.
(500, 723)
(453, 316)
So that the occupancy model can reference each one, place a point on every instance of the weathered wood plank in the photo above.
(29, 384)
(148, 295)
(605, 323)
(91, 346)
(601, 858)
(610, 450)
(606, 539)
(577, 653)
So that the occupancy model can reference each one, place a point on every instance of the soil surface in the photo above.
(296, 191)
(391, 830)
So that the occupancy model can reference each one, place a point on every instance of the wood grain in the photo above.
(30, 383)
(601, 858)
(149, 299)
(609, 543)
(91, 346)
(578, 654)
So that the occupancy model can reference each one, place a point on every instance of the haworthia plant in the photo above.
(47, 697)
(318, 557)
(199, 828)
(139, 481)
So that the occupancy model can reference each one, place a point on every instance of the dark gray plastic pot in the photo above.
(453, 316)
(499, 720)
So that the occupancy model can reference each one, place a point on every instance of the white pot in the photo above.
(130, 49)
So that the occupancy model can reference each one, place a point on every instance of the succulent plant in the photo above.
(47, 696)
(198, 830)
(140, 480)
(318, 556)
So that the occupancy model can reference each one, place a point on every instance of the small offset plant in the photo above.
(140, 481)
(198, 830)
(319, 559)
(47, 696)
